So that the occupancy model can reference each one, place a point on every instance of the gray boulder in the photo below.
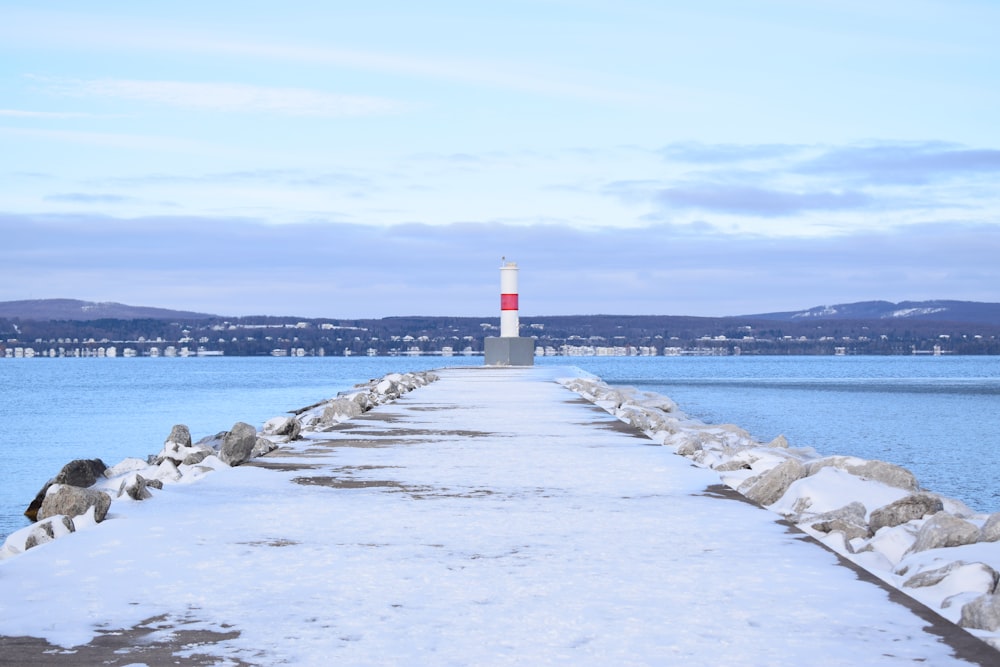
(237, 447)
(915, 506)
(850, 520)
(180, 434)
(197, 455)
(983, 613)
(767, 488)
(990, 531)
(79, 472)
(944, 530)
(73, 501)
(48, 530)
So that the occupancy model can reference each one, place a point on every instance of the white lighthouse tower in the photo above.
(510, 349)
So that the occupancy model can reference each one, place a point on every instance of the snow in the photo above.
(830, 484)
(488, 518)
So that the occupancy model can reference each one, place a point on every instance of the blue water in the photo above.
(937, 416)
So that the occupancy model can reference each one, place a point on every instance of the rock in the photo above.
(74, 501)
(197, 456)
(945, 530)
(136, 487)
(983, 613)
(938, 575)
(914, 506)
(341, 409)
(168, 470)
(262, 446)
(990, 532)
(731, 465)
(781, 441)
(180, 434)
(689, 447)
(850, 520)
(238, 445)
(49, 529)
(79, 472)
(879, 471)
(178, 448)
(287, 426)
(126, 466)
(767, 488)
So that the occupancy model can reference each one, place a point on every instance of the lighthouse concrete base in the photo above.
(512, 351)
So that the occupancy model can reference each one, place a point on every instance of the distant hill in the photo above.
(74, 309)
(971, 312)
(933, 311)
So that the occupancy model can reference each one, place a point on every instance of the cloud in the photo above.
(87, 198)
(906, 164)
(225, 97)
(758, 201)
(49, 115)
(736, 199)
(118, 140)
(695, 152)
(242, 266)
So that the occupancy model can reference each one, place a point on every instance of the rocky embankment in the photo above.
(84, 491)
(874, 513)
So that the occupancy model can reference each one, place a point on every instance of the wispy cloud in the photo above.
(141, 142)
(906, 164)
(224, 97)
(735, 198)
(758, 201)
(62, 29)
(49, 115)
(700, 153)
(87, 198)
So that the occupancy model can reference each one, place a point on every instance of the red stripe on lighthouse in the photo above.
(508, 302)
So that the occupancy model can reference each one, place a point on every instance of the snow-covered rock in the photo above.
(945, 530)
(282, 426)
(880, 471)
(136, 487)
(983, 613)
(78, 472)
(769, 487)
(73, 501)
(849, 520)
(914, 506)
(990, 532)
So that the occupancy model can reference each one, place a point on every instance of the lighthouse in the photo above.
(510, 348)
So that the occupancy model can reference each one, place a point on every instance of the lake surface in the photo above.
(937, 416)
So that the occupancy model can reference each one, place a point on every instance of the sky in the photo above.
(348, 160)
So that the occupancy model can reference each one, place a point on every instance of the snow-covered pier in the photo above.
(492, 517)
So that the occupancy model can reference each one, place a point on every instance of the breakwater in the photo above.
(485, 518)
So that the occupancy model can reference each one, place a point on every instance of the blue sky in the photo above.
(333, 159)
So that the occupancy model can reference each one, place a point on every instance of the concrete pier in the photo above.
(492, 517)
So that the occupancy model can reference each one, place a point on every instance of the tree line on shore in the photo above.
(602, 334)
